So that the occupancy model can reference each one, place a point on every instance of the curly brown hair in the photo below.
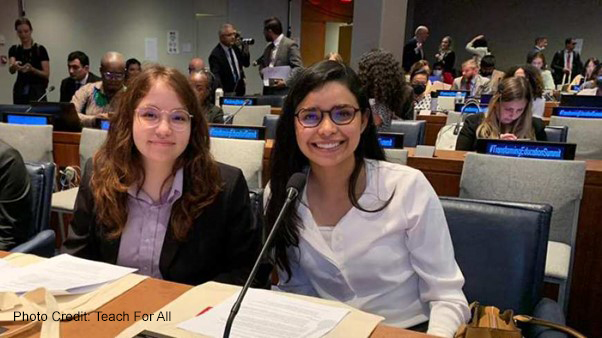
(383, 80)
(118, 163)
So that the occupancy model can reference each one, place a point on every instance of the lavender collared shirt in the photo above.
(143, 235)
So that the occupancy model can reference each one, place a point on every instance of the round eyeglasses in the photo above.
(150, 117)
(312, 117)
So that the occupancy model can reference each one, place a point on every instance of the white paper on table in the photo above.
(268, 314)
(277, 72)
(63, 274)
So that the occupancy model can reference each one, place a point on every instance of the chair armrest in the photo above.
(41, 244)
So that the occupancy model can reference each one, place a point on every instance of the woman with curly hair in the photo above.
(382, 79)
(154, 199)
(533, 75)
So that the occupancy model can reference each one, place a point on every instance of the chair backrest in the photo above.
(501, 250)
(558, 183)
(33, 142)
(557, 133)
(453, 117)
(413, 131)
(248, 115)
(583, 132)
(270, 122)
(271, 100)
(90, 142)
(42, 181)
(399, 156)
(244, 154)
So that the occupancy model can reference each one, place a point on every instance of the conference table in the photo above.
(443, 172)
(148, 297)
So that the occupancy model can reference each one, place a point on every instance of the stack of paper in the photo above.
(267, 314)
(63, 274)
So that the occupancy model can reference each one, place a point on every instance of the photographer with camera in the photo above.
(227, 60)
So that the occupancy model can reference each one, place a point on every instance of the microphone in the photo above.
(231, 117)
(293, 188)
(48, 90)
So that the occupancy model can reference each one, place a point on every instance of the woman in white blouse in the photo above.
(365, 232)
(538, 60)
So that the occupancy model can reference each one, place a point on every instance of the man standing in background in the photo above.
(540, 44)
(413, 50)
(79, 75)
(566, 63)
(227, 61)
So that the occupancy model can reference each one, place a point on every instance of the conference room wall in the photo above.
(96, 26)
(510, 27)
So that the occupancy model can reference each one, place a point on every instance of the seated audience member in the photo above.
(594, 88)
(15, 198)
(588, 79)
(541, 43)
(422, 98)
(446, 55)
(422, 65)
(566, 63)
(478, 48)
(471, 80)
(96, 100)
(488, 71)
(532, 75)
(154, 199)
(365, 232)
(444, 75)
(132, 69)
(196, 65)
(79, 75)
(539, 61)
(203, 84)
(509, 117)
(390, 96)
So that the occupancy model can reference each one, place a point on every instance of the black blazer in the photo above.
(220, 67)
(68, 86)
(557, 66)
(467, 139)
(410, 56)
(222, 244)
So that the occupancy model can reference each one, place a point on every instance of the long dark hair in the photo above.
(533, 75)
(288, 159)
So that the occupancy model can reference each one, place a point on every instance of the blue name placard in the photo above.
(236, 133)
(530, 151)
(451, 93)
(386, 141)
(104, 124)
(590, 113)
(30, 120)
(235, 102)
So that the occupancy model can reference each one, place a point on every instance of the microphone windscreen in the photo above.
(297, 181)
(51, 88)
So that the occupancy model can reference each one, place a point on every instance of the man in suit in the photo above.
(280, 51)
(566, 63)
(471, 80)
(413, 50)
(488, 71)
(540, 44)
(79, 75)
(196, 65)
(227, 61)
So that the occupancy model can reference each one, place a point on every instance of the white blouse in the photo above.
(398, 262)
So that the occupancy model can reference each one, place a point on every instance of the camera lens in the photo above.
(248, 41)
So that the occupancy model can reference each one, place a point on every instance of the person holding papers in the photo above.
(509, 117)
(154, 199)
(365, 232)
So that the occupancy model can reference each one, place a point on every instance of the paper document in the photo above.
(63, 274)
(268, 314)
(278, 72)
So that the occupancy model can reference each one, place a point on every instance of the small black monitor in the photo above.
(237, 132)
(452, 93)
(237, 101)
(580, 112)
(471, 108)
(527, 149)
(581, 101)
(27, 118)
(65, 116)
(485, 98)
(390, 140)
(15, 108)
(103, 124)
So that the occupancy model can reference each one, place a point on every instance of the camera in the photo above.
(247, 41)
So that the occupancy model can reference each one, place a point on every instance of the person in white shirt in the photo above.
(478, 48)
(539, 61)
(366, 232)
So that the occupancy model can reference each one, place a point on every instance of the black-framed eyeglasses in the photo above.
(339, 115)
(113, 75)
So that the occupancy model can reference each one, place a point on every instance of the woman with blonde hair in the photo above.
(509, 117)
(154, 199)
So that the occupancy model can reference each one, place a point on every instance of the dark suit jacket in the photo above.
(410, 56)
(467, 139)
(557, 66)
(68, 86)
(222, 244)
(220, 67)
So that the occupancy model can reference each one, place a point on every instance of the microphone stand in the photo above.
(231, 117)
